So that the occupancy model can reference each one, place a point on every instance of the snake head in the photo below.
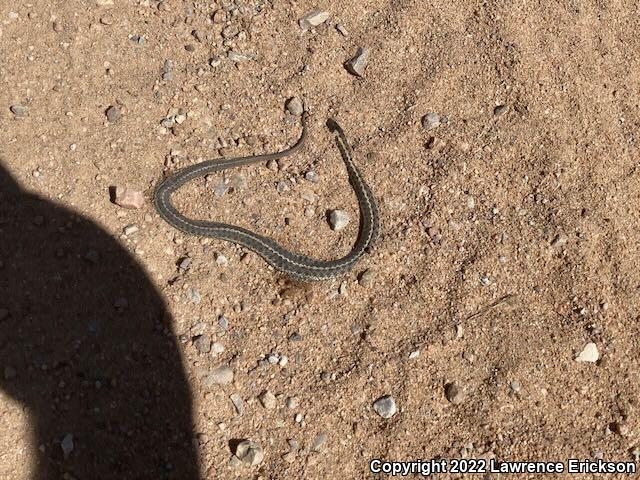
(333, 126)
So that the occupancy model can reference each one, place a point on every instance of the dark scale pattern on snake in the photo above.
(297, 266)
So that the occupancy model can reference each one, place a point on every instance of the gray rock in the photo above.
(18, 110)
(113, 114)
(366, 278)
(130, 229)
(268, 400)
(249, 452)
(203, 343)
(500, 110)
(385, 406)
(67, 445)
(431, 120)
(238, 181)
(282, 186)
(311, 176)
(454, 393)
(358, 64)
(220, 188)
(193, 295)
(313, 19)
(238, 403)
(238, 57)
(294, 106)
(338, 219)
(221, 375)
(559, 240)
(184, 263)
(318, 442)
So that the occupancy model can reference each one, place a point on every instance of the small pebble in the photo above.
(292, 402)
(127, 198)
(454, 393)
(385, 406)
(559, 240)
(313, 19)
(238, 403)
(311, 176)
(272, 165)
(217, 348)
(431, 120)
(238, 57)
(268, 400)
(130, 229)
(294, 106)
(318, 442)
(358, 64)
(67, 445)
(338, 219)
(113, 114)
(203, 343)
(499, 110)
(366, 278)
(220, 188)
(221, 375)
(18, 110)
(249, 452)
(589, 353)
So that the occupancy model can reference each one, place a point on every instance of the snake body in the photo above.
(298, 266)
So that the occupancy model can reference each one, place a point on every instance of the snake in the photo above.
(296, 266)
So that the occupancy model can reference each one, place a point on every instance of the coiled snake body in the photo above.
(297, 266)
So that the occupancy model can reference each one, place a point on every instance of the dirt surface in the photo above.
(509, 235)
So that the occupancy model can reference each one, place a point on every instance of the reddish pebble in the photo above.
(127, 198)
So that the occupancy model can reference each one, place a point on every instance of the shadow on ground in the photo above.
(86, 345)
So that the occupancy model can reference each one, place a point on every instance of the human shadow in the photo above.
(87, 347)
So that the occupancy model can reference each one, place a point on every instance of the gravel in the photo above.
(268, 400)
(249, 452)
(454, 393)
(238, 403)
(385, 406)
(358, 63)
(313, 19)
(589, 353)
(221, 375)
(294, 106)
(127, 198)
(338, 219)
(366, 278)
(203, 343)
(18, 110)
(113, 114)
(318, 442)
(431, 120)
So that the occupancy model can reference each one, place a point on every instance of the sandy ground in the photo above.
(509, 236)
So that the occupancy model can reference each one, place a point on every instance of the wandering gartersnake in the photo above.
(298, 266)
